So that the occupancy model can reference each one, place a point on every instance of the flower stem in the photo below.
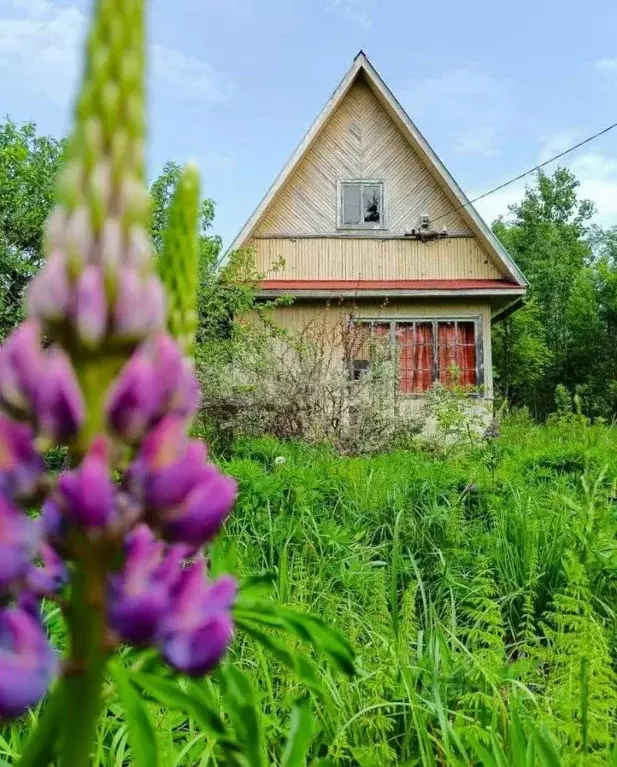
(84, 680)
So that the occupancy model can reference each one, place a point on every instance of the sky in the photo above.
(234, 84)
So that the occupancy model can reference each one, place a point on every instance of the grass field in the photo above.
(478, 589)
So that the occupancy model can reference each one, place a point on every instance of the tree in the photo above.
(550, 340)
(29, 164)
(226, 290)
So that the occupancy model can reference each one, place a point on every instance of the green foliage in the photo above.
(226, 290)
(564, 333)
(478, 589)
(29, 164)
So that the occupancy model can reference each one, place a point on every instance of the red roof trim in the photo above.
(351, 285)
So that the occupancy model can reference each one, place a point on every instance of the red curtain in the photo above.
(415, 357)
(457, 350)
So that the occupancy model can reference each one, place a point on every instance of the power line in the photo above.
(530, 171)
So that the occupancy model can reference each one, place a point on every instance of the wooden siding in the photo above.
(360, 140)
(324, 258)
(314, 317)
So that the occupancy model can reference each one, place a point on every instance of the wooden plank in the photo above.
(325, 258)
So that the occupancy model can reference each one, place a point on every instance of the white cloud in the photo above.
(474, 103)
(595, 171)
(352, 10)
(597, 174)
(188, 77)
(479, 140)
(607, 65)
(496, 205)
(555, 144)
(41, 46)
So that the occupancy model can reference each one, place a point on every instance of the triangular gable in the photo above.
(460, 204)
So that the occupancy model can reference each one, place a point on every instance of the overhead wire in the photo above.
(528, 172)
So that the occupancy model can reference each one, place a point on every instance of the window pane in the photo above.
(352, 204)
(457, 353)
(372, 203)
(415, 346)
(466, 353)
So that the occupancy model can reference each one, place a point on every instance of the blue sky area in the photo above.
(495, 87)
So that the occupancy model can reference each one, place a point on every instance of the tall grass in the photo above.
(479, 592)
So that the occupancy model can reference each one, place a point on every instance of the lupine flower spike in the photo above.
(178, 262)
(115, 387)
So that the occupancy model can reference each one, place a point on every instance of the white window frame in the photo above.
(364, 182)
(480, 387)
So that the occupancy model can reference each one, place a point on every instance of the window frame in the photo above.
(340, 204)
(480, 385)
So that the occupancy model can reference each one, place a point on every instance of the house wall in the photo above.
(360, 141)
(322, 318)
(345, 258)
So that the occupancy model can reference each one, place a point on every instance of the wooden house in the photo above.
(370, 223)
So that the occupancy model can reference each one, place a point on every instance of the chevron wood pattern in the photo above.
(350, 258)
(359, 141)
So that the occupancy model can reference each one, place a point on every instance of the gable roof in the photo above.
(362, 67)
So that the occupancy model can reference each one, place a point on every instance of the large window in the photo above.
(424, 351)
(361, 205)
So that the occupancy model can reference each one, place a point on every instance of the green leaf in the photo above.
(241, 705)
(518, 741)
(256, 585)
(169, 694)
(300, 735)
(304, 669)
(40, 747)
(308, 628)
(546, 749)
(482, 752)
(141, 732)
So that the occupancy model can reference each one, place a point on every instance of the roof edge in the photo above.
(442, 176)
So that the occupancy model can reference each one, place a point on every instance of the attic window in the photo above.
(361, 205)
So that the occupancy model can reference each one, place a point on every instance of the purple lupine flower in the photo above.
(198, 628)
(129, 320)
(140, 306)
(132, 401)
(86, 496)
(178, 390)
(139, 594)
(187, 498)
(167, 359)
(49, 292)
(155, 382)
(21, 466)
(53, 522)
(18, 542)
(48, 578)
(21, 364)
(185, 398)
(28, 663)
(60, 408)
(201, 515)
(91, 306)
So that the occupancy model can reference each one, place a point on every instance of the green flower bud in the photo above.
(106, 147)
(178, 264)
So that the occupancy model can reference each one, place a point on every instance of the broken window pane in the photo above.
(372, 203)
